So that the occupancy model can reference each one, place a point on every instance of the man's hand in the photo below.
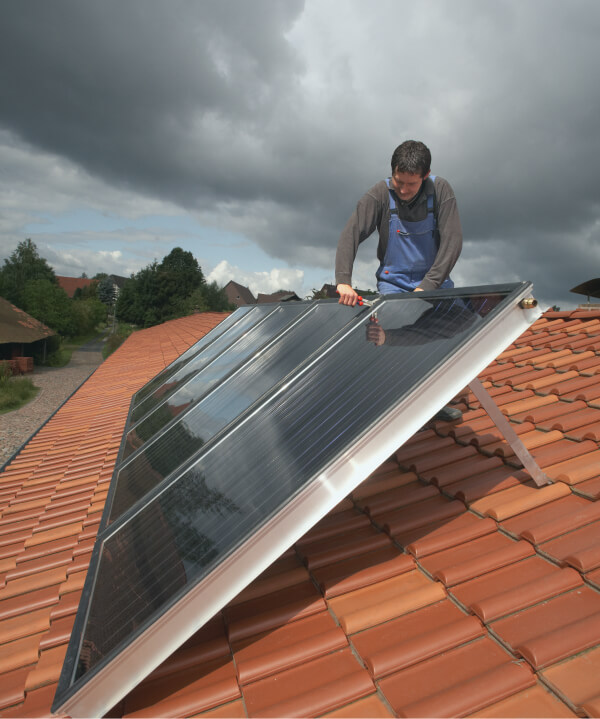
(419, 289)
(347, 295)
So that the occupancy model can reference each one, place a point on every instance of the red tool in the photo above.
(362, 302)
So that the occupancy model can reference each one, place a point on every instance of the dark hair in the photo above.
(412, 156)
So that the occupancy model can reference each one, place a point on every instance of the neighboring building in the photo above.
(328, 292)
(445, 584)
(281, 296)
(239, 295)
(118, 282)
(19, 331)
(71, 284)
(591, 288)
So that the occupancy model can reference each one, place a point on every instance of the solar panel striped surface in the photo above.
(280, 418)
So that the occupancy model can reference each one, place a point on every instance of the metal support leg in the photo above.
(488, 404)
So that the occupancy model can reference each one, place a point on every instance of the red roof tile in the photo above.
(534, 702)
(311, 689)
(288, 646)
(553, 630)
(466, 679)
(409, 639)
(464, 530)
(514, 587)
(576, 680)
(385, 600)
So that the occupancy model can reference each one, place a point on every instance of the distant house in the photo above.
(328, 291)
(591, 288)
(118, 281)
(281, 296)
(71, 284)
(239, 295)
(18, 333)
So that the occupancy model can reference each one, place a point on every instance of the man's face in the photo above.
(406, 185)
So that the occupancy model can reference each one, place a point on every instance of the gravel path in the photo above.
(56, 384)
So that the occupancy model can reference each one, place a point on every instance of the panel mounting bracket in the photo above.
(494, 413)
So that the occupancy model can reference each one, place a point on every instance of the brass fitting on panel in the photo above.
(528, 303)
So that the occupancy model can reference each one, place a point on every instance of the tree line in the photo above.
(173, 288)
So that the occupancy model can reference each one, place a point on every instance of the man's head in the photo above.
(412, 157)
(411, 164)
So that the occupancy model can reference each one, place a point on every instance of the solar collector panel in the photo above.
(303, 446)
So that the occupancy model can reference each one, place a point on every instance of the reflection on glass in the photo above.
(209, 337)
(213, 412)
(189, 369)
(150, 560)
(189, 392)
(443, 318)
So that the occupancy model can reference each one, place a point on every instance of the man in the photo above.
(420, 237)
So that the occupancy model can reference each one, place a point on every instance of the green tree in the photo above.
(174, 288)
(185, 267)
(208, 298)
(22, 267)
(87, 314)
(86, 293)
(106, 291)
(50, 304)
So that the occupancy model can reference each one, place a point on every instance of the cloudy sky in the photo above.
(246, 130)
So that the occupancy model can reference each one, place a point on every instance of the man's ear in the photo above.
(427, 175)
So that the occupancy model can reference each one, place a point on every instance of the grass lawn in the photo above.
(15, 392)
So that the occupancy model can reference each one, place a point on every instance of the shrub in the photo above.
(116, 339)
(15, 392)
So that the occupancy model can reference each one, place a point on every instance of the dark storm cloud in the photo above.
(219, 107)
(125, 89)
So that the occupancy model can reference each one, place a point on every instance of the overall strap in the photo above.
(393, 208)
(431, 198)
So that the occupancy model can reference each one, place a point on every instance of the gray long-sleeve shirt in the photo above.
(373, 212)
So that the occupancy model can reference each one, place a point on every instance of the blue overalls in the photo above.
(411, 250)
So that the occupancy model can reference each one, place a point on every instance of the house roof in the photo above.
(238, 294)
(590, 288)
(70, 284)
(281, 296)
(17, 326)
(118, 280)
(446, 584)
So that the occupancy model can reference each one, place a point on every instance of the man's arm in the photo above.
(362, 223)
(450, 236)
